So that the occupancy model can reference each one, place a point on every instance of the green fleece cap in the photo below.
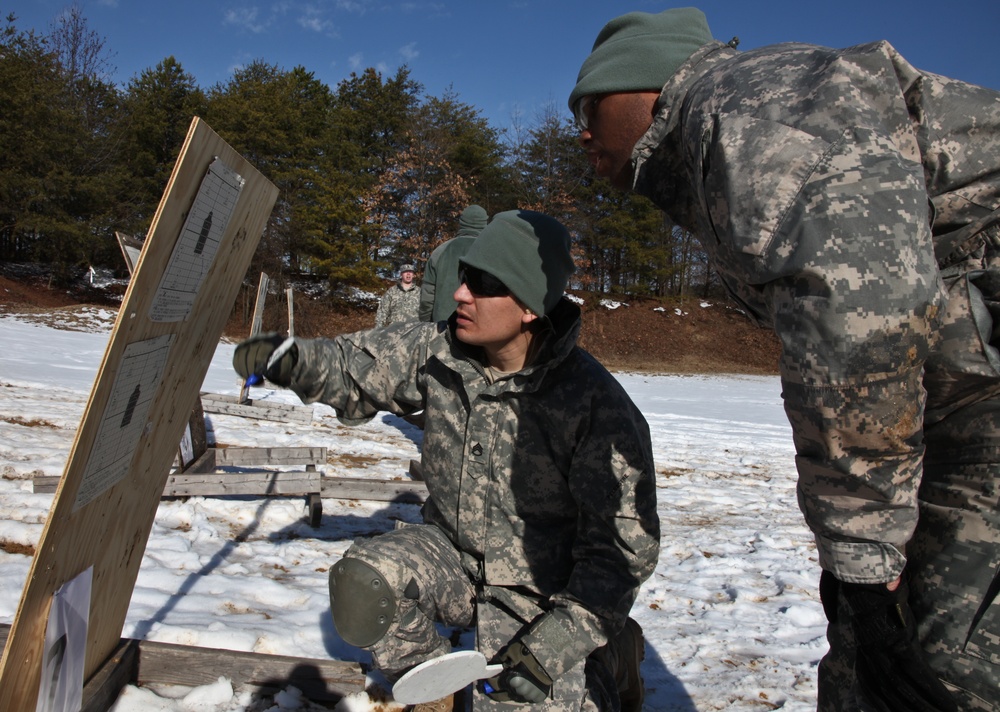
(473, 218)
(527, 251)
(640, 51)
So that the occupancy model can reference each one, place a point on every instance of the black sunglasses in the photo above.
(481, 284)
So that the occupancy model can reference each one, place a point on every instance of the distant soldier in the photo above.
(401, 301)
(852, 203)
(437, 288)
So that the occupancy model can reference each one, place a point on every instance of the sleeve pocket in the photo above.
(754, 170)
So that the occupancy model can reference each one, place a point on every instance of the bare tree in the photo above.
(80, 50)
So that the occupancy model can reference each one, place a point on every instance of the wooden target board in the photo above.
(192, 263)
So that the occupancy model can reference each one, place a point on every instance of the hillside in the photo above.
(641, 335)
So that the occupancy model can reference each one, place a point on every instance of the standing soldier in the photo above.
(401, 301)
(850, 202)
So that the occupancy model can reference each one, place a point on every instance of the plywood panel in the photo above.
(193, 260)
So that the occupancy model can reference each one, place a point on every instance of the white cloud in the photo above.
(409, 51)
(314, 18)
(316, 24)
(245, 18)
(355, 61)
(358, 6)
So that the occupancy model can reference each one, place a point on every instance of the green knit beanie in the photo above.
(473, 218)
(640, 51)
(528, 252)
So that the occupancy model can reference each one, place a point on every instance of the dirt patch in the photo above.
(692, 336)
(13, 547)
(647, 335)
(32, 294)
(32, 289)
(351, 460)
(33, 423)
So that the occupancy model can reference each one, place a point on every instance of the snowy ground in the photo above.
(731, 616)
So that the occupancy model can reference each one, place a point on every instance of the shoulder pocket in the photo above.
(753, 171)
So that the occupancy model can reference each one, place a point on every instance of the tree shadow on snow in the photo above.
(332, 528)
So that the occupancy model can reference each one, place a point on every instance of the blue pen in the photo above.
(257, 378)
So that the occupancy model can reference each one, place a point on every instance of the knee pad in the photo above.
(362, 602)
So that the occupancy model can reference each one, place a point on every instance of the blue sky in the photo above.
(505, 57)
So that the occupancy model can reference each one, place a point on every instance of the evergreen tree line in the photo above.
(371, 173)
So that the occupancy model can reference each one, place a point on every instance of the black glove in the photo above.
(889, 664)
(252, 356)
(521, 680)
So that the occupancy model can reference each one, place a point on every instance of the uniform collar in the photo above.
(668, 106)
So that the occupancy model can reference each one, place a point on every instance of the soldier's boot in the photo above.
(623, 656)
(445, 704)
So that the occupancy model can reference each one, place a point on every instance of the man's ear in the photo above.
(528, 316)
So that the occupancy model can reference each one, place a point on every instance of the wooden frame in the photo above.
(193, 261)
(146, 662)
(260, 410)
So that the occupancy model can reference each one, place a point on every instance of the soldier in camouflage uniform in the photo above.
(540, 523)
(849, 202)
(402, 300)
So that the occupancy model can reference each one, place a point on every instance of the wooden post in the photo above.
(198, 249)
(258, 307)
(291, 313)
(256, 324)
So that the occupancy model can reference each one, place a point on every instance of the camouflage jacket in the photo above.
(544, 479)
(828, 186)
(398, 304)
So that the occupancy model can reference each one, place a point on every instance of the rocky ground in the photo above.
(676, 336)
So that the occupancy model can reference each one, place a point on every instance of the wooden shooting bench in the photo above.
(257, 409)
(205, 471)
(146, 662)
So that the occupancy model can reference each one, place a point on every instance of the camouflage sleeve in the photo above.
(363, 373)
(855, 292)
(618, 537)
(384, 313)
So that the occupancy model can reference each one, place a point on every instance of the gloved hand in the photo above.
(522, 678)
(890, 667)
(252, 356)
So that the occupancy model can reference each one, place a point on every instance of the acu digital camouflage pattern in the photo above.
(850, 202)
(398, 304)
(446, 594)
(542, 482)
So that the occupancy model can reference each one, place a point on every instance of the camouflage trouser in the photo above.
(953, 559)
(425, 571)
